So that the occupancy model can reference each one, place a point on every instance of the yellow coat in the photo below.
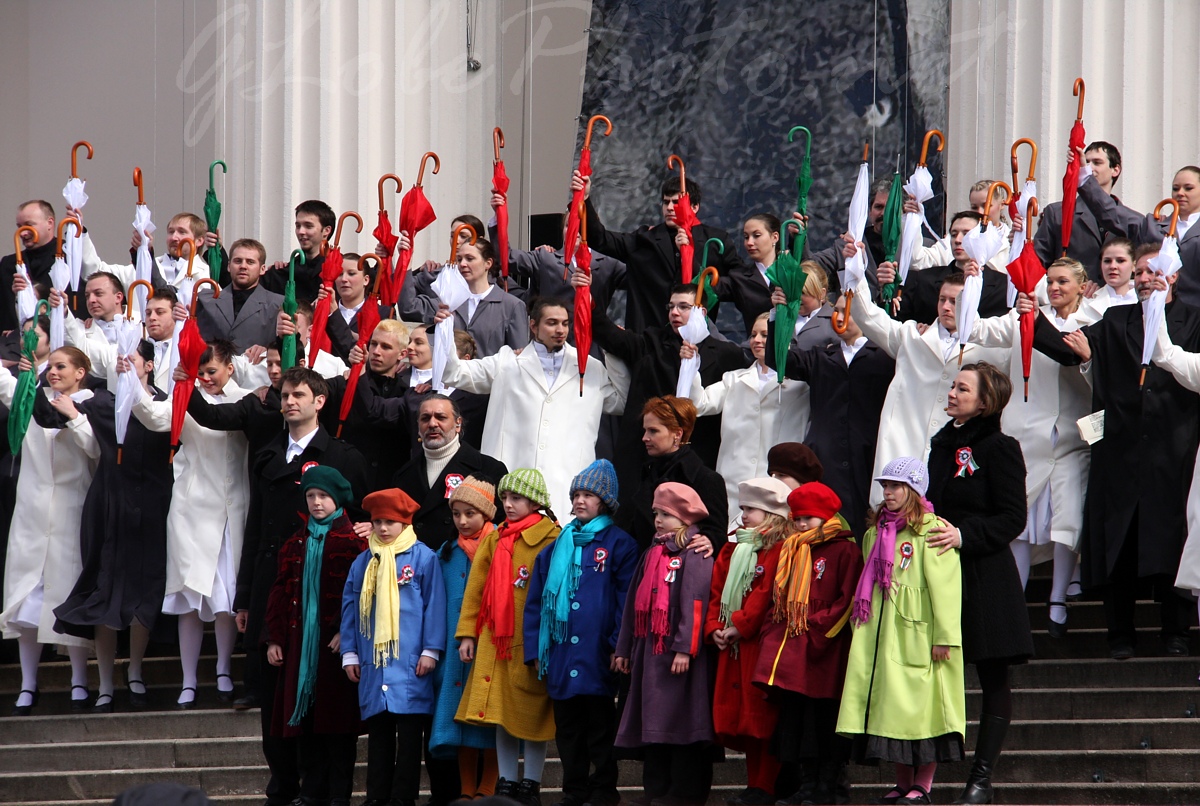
(505, 692)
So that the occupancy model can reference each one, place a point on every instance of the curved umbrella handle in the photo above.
(1016, 168)
(70, 219)
(704, 254)
(137, 183)
(383, 181)
(841, 320)
(591, 124)
(437, 165)
(130, 297)
(454, 240)
(17, 241)
(1174, 215)
(1032, 211)
(582, 232)
(191, 252)
(925, 146)
(196, 293)
(1079, 89)
(991, 195)
(808, 144)
(866, 151)
(337, 236)
(674, 161)
(362, 267)
(497, 142)
(711, 272)
(75, 156)
(212, 167)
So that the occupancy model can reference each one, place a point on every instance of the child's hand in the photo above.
(702, 544)
(466, 650)
(425, 665)
(352, 672)
(336, 643)
(732, 635)
(275, 654)
(718, 637)
(941, 653)
(363, 530)
(682, 662)
(621, 664)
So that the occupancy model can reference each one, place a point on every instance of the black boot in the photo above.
(987, 750)
(506, 789)
(528, 792)
(828, 779)
(808, 784)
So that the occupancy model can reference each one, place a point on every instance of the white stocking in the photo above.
(79, 676)
(191, 635)
(31, 653)
(226, 629)
(1065, 562)
(139, 638)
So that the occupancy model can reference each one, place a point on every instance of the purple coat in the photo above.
(665, 708)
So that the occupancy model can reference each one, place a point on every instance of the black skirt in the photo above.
(869, 749)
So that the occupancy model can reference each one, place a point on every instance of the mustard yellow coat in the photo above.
(506, 692)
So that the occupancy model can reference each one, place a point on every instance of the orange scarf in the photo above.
(470, 543)
(793, 577)
(497, 610)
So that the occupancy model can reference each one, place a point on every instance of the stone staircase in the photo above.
(1086, 730)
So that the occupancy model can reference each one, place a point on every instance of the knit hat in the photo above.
(907, 470)
(391, 505)
(769, 495)
(794, 459)
(814, 500)
(681, 501)
(600, 479)
(329, 480)
(477, 493)
(526, 481)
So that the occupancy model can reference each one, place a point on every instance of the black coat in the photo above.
(261, 421)
(38, 261)
(918, 301)
(833, 262)
(1088, 233)
(433, 523)
(343, 335)
(748, 290)
(653, 263)
(843, 422)
(384, 450)
(988, 507)
(397, 412)
(308, 279)
(685, 467)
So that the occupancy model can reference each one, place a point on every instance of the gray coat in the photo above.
(500, 319)
(1089, 233)
(254, 323)
(818, 331)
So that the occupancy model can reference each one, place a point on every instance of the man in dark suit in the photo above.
(37, 254)
(245, 312)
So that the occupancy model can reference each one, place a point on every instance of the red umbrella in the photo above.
(331, 268)
(500, 185)
(1071, 177)
(576, 211)
(685, 218)
(416, 213)
(191, 347)
(583, 301)
(368, 319)
(387, 239)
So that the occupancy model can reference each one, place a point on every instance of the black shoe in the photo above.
(136, 699)
(506, 789)
(737, 797)
(103, 707)
(752, 797)
(1176, 646)
(225, 696)
(81, 705)
(529, 792)
(987, 749)
(894, 795)
(1074, 597)
(1121, 652)
(923, 797)
(188, 706)
(250, 701)
(1056, 630)
(26, 710)
(828, 779)
(808, 784)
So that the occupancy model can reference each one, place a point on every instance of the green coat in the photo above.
(909, 695)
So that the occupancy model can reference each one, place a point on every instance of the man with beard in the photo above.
(246, 310)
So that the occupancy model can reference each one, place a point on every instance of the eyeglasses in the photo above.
(682, 307)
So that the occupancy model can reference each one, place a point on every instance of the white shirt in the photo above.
(851, 350)
(949, 342)
(349, 313)
(171, 268)
(802, 320)
(420, 376)
(474, 300)
(551, 362)
(162, 352)
(762, 269)
(1185, 224)
(766, 376)
(298, 446)
(109, 329)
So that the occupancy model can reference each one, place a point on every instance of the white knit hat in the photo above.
(907, 470)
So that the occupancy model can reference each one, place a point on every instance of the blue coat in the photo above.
(580, 666)
(396, 687)
(447, 735)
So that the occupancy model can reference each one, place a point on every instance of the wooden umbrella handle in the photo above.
(17, 241)
(454, 240)
(925, 145)
(591, 124)
(383, 181)
(437, 165)
(70, 219)
(841, 320)
(91, 152)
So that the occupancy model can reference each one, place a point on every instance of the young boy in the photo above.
(572, 620)
(314, 701)
(393, 634)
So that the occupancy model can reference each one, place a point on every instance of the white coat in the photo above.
(43, 542)
(940, 253)
(759, 418)
(531, 424)
(127, 272)
(1058, 396)
(211, 488)
(90, 339)
(915, 407)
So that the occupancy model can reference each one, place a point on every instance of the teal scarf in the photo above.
(310, 616)
(741, 572)
(562, 581)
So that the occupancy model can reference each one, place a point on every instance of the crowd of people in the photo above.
(698, 542)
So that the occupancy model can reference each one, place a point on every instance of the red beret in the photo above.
(391, 505)
(814, 500)
(681, 501)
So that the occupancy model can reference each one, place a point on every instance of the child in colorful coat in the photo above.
(393, 632)
(668, 712)
(904, 699)
(502, 691)
(802, 659)
(314, 700)
(473, 507)
(572, 621)
(738, 606)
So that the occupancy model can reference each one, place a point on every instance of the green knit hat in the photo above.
(328, 479)
(528, 482)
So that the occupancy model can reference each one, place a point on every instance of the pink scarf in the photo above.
(653, 597)
(878, 571)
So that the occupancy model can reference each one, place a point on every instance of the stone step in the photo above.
(1099, 734)
(1090, 615)
(146, 726)
(1099, 704)
(1093, 643)
(1099, 673)
(56, 675)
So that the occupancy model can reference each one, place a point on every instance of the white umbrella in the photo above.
(981, 244)
(452, 289)
(1166, 262)
(144, 263)
(920, 187)
(694, 331)
(76, 197)
(129, 334)
(860, 204)
(184, 291)
(60, 278)
(26, 298)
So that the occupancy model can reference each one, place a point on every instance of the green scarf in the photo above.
(310, 615)
(741, 572)
(562, 581)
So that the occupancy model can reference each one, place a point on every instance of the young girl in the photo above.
(904, 698)
(668, 712)
(473, 506)
(502, 691)
(802, 661)
(206, 522)
(572, 619)
(738, 606)
(314, 699)
(43, 560)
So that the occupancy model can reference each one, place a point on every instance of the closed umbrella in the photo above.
(287, 353)
(685, 218)
(388, 239)
(212, 216)
(452, 289)
(1025, 269)
(804, 180)
(60, 279)
(191, 347)
(576, 211)
(981, 244)
(20, 411)
(26, 298)
(184, 293)
(129, 334)
(694, 331)
(368, 320)
(920, 187)
(143, 262)
(583, 302)
(500, 185)
(76, 197)
(1071, 177)
(708, 292)
(856, 264)
(786, 273)
(1167, 263)
(416, 213)
(318, 336)
(893, 224)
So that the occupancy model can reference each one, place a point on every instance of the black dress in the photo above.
(685, 467)
(123, 528)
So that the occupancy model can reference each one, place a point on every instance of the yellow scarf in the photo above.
(793, 577)
(381, 587)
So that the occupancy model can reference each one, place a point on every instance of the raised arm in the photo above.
(874, 322)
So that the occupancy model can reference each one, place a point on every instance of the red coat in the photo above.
(335, 706)
(812, 663)
(740, 709)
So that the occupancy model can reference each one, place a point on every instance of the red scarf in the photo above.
(470, 543)
(497, 610)
(654, 591)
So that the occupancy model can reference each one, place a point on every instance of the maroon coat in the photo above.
(335, 707)
(742, 710)
(812, 663)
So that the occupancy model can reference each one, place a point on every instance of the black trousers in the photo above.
(282, 754)
(395, 744)
(683, 772)
(585, 728)
(1120, 598)
(328, 763)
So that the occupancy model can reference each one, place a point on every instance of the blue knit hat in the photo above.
(600, 479)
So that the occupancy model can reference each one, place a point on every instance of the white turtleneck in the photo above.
(436, 459)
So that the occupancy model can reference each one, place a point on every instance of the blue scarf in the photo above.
(310, 615)
(562, 581)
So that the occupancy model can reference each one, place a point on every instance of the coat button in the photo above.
(384, 686)
(457, 684)
(574, 673)
(574, 639)
(481, 714)
(487, 678)
(574, 605)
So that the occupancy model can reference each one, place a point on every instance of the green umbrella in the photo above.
(893, 217)
(804, 179)
(287, 356)
(21, 410)
(786, 273)
(710, 294)
(212, 215)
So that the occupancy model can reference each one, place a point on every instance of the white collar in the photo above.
(420, 376)
(802, 320)
(551, 362)
(349, 313)
(851, 350)
(762, 269)
(109, 329)
(298, 446)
